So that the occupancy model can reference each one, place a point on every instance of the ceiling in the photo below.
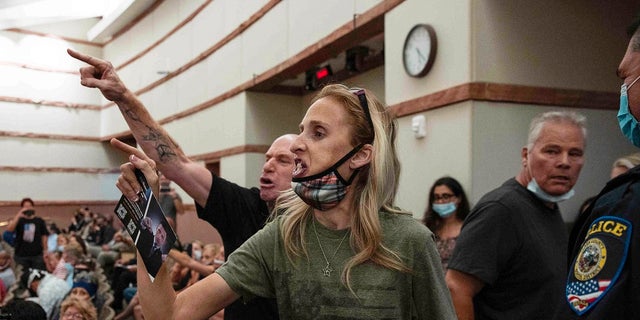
(98, 20)
(108, 16)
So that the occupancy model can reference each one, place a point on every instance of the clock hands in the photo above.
(421, 56)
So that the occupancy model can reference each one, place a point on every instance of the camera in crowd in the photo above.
(29, 212)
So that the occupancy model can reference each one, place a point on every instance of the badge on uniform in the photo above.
(599, 262)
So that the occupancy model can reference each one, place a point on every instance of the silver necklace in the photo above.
(326, 271)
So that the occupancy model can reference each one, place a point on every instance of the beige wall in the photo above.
(269, 116)
(445, 150)
(571, 44)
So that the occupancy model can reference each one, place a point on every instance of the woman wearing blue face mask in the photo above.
(447, 208)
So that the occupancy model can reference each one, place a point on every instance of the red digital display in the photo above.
(322, 73)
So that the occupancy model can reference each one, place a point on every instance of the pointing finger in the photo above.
(86, 58)
(128, 149)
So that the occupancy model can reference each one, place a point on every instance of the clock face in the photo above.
(419, 50)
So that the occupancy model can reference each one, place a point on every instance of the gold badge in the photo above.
(591, 259)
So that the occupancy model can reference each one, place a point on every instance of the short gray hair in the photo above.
(569, 117)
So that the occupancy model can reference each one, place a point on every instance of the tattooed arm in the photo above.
(192, 177)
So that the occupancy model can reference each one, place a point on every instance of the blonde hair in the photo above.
(213, 247)
(85, 308)
(628, 161)
(375, 187)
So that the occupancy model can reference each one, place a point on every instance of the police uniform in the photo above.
(604, 255)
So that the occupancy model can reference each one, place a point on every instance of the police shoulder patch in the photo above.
(599, 262)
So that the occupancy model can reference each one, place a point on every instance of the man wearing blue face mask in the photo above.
(510, 257)
(604, 253)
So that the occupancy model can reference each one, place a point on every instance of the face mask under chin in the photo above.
(544, 196)
(325, 190)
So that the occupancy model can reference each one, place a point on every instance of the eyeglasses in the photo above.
(444, 196)
(72, 316)
(365, 106)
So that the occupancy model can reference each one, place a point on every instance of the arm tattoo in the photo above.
(132, 115)
(165, 152)
(164, 148)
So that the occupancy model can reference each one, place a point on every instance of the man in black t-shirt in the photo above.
(509, 258)
(31, 237)
(237, 212)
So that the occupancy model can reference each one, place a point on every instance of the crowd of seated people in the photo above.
(91, 271)
(72, 283)
(188, 264)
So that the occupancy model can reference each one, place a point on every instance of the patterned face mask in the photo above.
(326, 189)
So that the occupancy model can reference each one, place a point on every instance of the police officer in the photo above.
(604, 246)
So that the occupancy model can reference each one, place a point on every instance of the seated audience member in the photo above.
(194, 249)
(7, 274)
(89, 217)
(85, 264)
(101, 233)
(9, 236)
(203, 267)
(123, 277)
(18, 309)
(72, 256)
(111, 251)
(73, 308)
(85, 286)
(77, 239)
(62, 241)
(78, 221)
(203, 260)
(56, 264)
(46, 289)
(52, 239)
(182, 276)
(446, 209)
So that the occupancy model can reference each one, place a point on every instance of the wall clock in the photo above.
(419, 50)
